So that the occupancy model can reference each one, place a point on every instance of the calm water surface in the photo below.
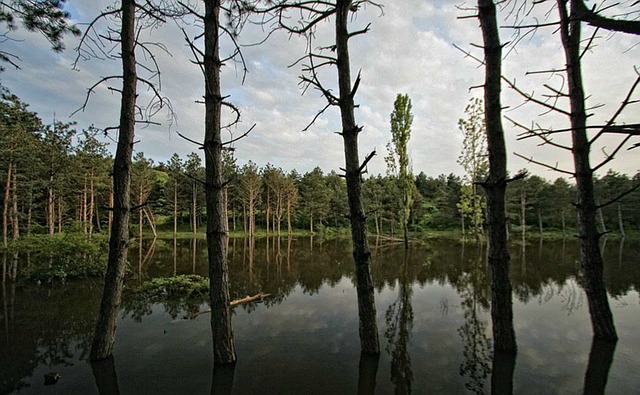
(433, 317)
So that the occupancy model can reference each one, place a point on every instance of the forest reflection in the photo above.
(542, 271)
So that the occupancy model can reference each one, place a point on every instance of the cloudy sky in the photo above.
(410, 49)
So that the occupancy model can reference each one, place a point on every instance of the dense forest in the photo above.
(57, 179)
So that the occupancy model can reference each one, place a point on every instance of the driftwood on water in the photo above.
(233, 303)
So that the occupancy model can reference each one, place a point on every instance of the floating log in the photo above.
(233, 303)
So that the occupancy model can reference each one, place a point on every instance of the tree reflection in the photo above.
(502, 370)
(600, 359)
(367, 372)
(104, 373)
(222, 379)
(399, 319)
(477, 345)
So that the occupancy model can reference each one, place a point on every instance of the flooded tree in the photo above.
(312, 13)
(128, 15)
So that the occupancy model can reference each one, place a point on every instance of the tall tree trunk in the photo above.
(51, 208)
(5, 205)
(268, 210)
(311, 223)
(620, 223)
(523, 213)
(225, 209)
(222, 332)
(104, 336)
(289, 217)
(601, 218)
(540, 222)
(362, 256)
(110, 217)
(175, 209)
(564, 229)
(140, 210)
(495, 186)
(194, 220)
(59, 199)
(83, 207)
(29, 212)
(92, 201)
(591, 259)
(14, 210)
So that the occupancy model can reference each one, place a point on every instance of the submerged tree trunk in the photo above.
(222, 332)
(366, 303)
(591, 258)
(104, 336)
(495, 186)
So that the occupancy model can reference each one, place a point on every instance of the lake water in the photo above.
(433, 319)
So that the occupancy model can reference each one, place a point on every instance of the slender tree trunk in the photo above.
(194, 220)
(104, 336)
(175, 209)
(92, 201)
(51, 208)
(289, 231)
(311, 223)
(140, 213)
(601, 218)
(495, 186)
(268, 209)
(222, 332)
(523, 213)
(83, 207)
(362, 256)
(225, 210)
(5, 205)
(14, 211)
(591, 259)
(59, 199)
(564, 231)
(540, 222)
(29, 212)
(620, 222)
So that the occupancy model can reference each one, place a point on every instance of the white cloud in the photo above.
(408, 50)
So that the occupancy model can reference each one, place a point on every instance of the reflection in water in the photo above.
(306, 332)
(476, 342)
(104, 373)
(399, 319)
(502, 370)
(367, 372)
(600, 359)
(222, 379)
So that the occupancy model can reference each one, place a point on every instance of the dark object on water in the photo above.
(51, 378)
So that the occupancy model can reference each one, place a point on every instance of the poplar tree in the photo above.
(398, 159)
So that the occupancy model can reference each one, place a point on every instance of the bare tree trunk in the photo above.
(620, 223)
(311, 223)
(83, 207)
(495, 186)
(29, 212)
(51, 208)
(289, 231)
(175, 209)
(564, 231)
(140, 213)
(592, 263)
(14, 211)
(194, 220)
(5, 205)
(540, 222)
(268, 209)
(364, 284)
(523, 213)
(104, 336)
(222, 332)
(601, 218)
(92, 201)
(59, 199)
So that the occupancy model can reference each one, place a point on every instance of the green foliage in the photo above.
(62, 257)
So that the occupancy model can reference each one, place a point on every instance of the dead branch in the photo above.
(617, 198)
(554, 168)
(247, 299)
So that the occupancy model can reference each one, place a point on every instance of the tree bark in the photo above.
(15, 226)
(104, 336)
(591, 258)
(495, 186)
(5, 205)
(221, 329)
(362, 256)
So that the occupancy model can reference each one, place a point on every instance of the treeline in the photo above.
(56, 179)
